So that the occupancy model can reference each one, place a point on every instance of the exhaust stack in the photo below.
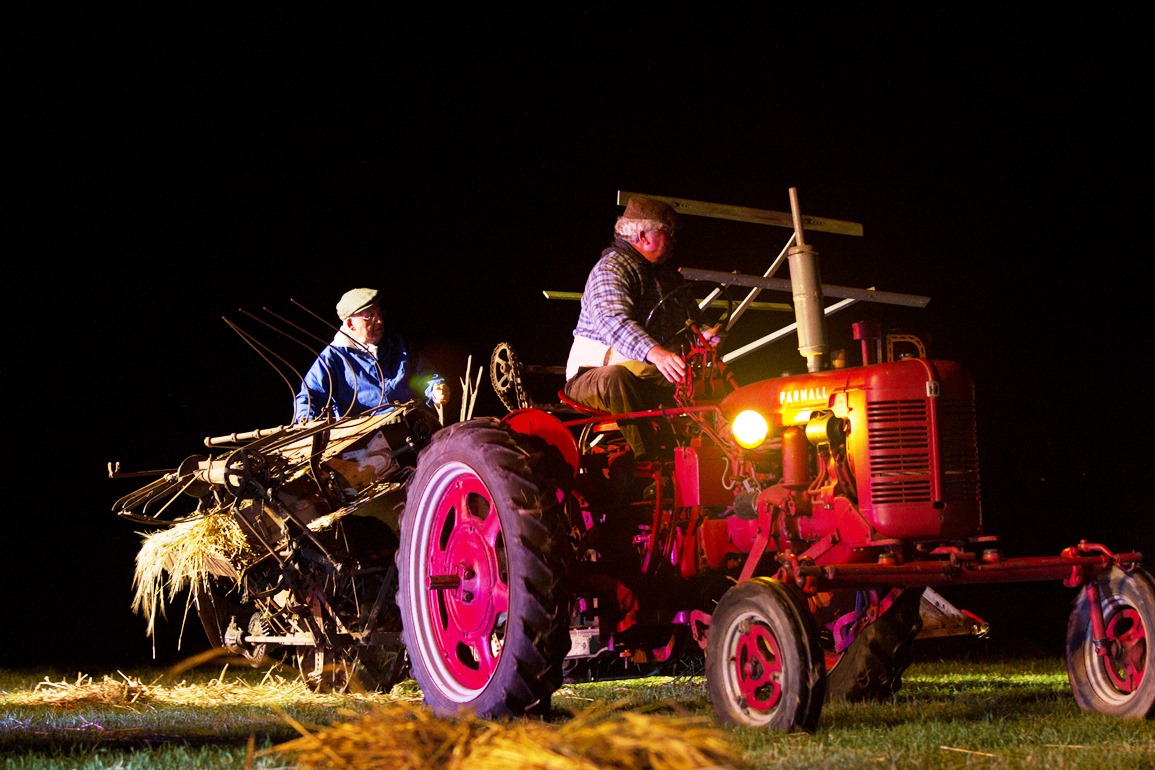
(806, 287)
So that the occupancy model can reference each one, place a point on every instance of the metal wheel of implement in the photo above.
(1116, 679)
(357, 670)
(764, 665)
(218, 604)
(482, 562)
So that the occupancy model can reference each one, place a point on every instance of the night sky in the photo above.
(178, 177)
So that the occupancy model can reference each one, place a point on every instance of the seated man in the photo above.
(614, 363)
(363, 368)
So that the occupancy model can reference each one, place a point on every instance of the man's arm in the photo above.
(670, 364)
(612, 292)
(315, 394)
(425, 380)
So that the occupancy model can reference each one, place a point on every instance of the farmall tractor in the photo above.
(791, 536)
(790, 543)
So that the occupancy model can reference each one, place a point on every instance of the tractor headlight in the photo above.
(749, 429)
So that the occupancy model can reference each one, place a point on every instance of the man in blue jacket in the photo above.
(363, 369)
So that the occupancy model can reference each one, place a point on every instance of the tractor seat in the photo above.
(592, 411)
(607, 426)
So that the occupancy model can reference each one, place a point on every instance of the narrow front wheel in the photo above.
(1114, 677)
(764, 664)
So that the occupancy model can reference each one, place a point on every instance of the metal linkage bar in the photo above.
(783, 284)
(745, 214)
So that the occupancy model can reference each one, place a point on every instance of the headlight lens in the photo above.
(749, 429)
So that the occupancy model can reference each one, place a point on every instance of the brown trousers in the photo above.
(628, 387)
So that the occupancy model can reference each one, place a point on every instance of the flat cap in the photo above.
(638, 207)
(354, 301)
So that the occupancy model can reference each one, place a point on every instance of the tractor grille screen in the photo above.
(899, 434)
(959, 446)
(901, 448)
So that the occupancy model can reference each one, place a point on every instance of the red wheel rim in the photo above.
(467, 582)
(1126, 650)
(758, 668)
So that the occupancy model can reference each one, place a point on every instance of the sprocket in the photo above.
(505, 374)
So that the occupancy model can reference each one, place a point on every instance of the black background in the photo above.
(177, 173)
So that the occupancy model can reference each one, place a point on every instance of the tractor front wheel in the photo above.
(1115, 677)
(764, 663)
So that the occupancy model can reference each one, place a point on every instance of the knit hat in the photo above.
(354, 301)
(654, 210)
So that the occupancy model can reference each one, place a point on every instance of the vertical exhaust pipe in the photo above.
(806, 286)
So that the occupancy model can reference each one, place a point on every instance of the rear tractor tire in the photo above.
(482, 564)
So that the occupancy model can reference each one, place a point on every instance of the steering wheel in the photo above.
(680, 301)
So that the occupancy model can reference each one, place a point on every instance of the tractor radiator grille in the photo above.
(900, 446)
(958, 448)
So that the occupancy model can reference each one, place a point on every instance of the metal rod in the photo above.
(772, 336)
(828, 290)
(777, 306)
(755, 291)
(746, 214)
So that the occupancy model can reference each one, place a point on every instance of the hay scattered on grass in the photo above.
(606, 736)
(402, 733)
(125, 691)
(129, 692)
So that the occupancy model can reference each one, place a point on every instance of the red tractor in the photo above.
(790, 544)
(790, 540)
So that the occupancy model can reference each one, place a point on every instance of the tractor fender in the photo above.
(537, 422)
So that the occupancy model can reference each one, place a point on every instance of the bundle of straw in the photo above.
(183, 556)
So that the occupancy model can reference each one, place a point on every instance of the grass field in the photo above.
(1016, 713)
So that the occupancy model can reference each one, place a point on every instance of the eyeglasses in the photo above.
(667, 232)
(372, 315)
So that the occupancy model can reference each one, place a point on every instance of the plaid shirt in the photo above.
(621, 290)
